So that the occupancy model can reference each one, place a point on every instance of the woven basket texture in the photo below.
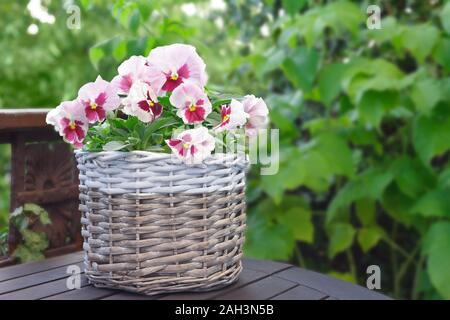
(153, 225)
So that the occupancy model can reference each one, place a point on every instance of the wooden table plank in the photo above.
(247, 276)
(24, 269)
(267, 267)
(258, 280)
(329, 285)
(86, 293)
(35, 279)
(260, 290)
(41, 291)
(301, 293)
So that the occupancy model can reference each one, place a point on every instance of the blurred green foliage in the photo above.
(364, 116)
(34, 243)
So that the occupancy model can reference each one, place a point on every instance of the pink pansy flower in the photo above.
(142, 102)
(136, 69)
(258, 114)
(192, 146)
(177, 64)
(98, 98)
(70, 121)
(192, 103)
(233, 116)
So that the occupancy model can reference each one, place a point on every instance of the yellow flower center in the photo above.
(225, 118)
(150, 103)
(174, 77)
(192, 108)
(93, 106)
(186, 145)
(72, 125)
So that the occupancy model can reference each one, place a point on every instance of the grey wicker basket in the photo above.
(152, 224)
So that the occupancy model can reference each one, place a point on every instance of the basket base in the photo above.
(167, 287)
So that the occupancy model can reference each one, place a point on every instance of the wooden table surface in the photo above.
(259, 280)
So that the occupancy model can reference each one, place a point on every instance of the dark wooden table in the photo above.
(259, 280)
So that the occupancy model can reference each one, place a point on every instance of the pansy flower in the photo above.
(136, 68)
(192, 146)
(233, 116)
(178, 63)
(258, 113)
(70, 121)
(142, 102)
(98, 98)
(192, 103)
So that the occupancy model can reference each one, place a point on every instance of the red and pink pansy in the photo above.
(258, 114)
(70, 121)
(232, 116)
(136, 68)
(177, 64)
(192, 146)
(97, 98)
(192, 103)
(142, 102)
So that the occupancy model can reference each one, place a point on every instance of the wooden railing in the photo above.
(43, 171)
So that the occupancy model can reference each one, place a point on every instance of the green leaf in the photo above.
(134, 21)
(44, 218)
(378, 75)
(35, 241)
(33, 208)
(120, 50)
(339, 16)
(336, 152)
(431, 133)
(368, 185)
(38, 211)
(292, 7)
(278, 242)
(366, 211)
(157, 138)
(375, 104)
(114, 146)
(441, 55)
(397, 205)
(412, 177)
(273, 60)
(341, 238)
(419, 39)
(425, 94)
(435, 203)
(301, 68)
(437, 248)
(389, 29)
(298, 219)
(24, 254)
(445, 17)
(330, 82)
(262, 227)
(344, 276)
(95, 55)
(369, 237)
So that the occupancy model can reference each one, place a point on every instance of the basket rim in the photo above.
(213, 158)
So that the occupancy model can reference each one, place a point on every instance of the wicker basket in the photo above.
(152, 224)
